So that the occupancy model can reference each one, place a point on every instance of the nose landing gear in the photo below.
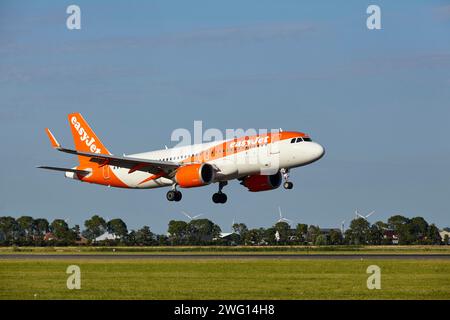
(220, 197)
(287, 184)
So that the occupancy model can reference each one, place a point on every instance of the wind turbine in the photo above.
(283, 219)
(357, 215)
(342, 226)
(189, 217)
(232, 225)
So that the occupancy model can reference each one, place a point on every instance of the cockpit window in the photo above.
(300, 139)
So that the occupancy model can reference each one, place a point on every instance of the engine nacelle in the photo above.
(258, 183)
(194, 175)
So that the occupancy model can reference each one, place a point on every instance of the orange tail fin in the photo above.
(84, 137)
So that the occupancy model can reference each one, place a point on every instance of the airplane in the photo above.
(259, 162)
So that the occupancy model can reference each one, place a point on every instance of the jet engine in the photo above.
(194, 175)
(258, 182)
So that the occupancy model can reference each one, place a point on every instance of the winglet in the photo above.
(52, 138)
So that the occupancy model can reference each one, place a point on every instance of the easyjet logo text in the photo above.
(249, 142)
(89, 141)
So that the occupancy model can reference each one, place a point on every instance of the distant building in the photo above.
(390, 236)
(107, 236)
(444, 233)
(49, 236)
(228, 236)
(81, 240)
(224, 235)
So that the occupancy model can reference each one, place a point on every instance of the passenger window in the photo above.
(299, 140)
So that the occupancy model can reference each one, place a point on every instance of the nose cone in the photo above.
(317, 151)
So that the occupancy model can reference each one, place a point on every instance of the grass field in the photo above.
(225, 279)
(230, 249)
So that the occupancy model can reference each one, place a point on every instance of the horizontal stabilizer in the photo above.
(83, 172)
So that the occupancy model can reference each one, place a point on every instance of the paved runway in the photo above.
(119, 256)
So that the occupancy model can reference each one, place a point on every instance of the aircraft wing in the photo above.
(133, 164)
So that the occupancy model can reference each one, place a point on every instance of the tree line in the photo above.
(27, 231)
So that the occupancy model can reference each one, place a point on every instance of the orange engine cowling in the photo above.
(262, 183)
(194, 175)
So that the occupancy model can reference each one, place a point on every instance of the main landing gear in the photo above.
(287, 184)
(220, 197)
(174, 194)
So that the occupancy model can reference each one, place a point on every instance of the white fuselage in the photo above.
(266, 158)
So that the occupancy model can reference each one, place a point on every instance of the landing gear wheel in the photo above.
(171, 195)
(219, 197)
(216, 198)
(178, 196)
(288, 185)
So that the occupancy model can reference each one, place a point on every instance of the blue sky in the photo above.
(377, 100)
